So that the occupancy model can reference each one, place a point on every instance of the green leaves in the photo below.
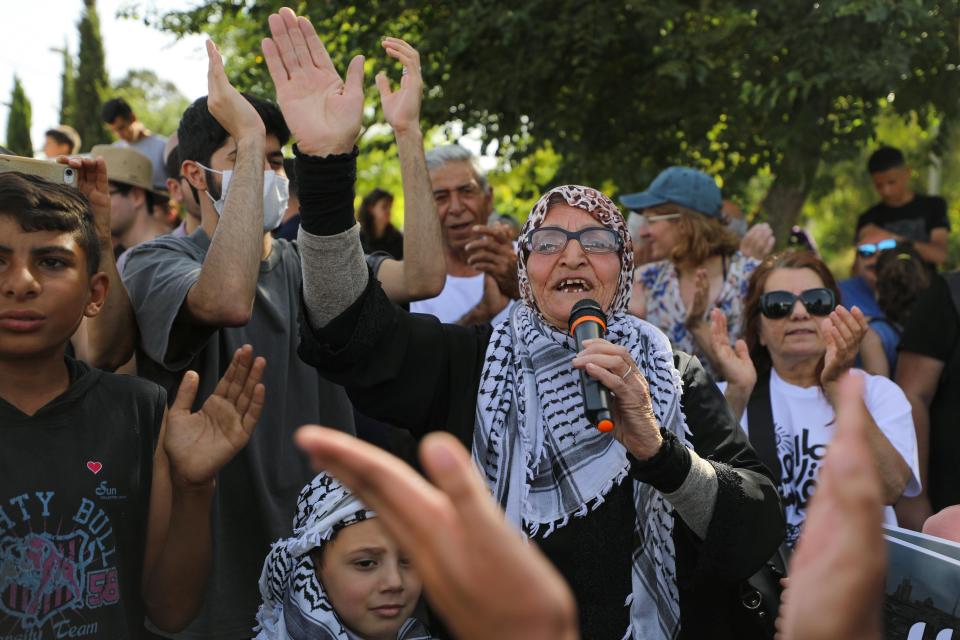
(18, 121)
(158, 103)
(619, 90)
(91, 83)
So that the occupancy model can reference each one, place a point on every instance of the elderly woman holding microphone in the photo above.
(653, 523)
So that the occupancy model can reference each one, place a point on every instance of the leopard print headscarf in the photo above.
(606, 213)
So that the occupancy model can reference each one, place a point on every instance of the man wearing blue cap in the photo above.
(699, 265)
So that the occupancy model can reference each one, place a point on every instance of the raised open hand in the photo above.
(92, 182)
(835, 588)
(842, 331)
(734, 362)
(231, 110)
(199, 444)
(480, 575)
(401, 108)
(324, 113)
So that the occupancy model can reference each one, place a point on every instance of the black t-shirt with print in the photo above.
(913, 221)
(74, 496)
(933, 330)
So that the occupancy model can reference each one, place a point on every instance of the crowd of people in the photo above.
(170, 323)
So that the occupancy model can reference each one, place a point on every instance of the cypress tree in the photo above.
(91, 81)
(18, 121)
(67, 89)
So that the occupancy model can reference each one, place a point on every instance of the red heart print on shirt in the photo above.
(94, 466)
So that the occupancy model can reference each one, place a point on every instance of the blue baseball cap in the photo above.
(679, 185)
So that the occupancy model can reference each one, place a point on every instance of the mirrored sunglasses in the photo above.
(868, 249)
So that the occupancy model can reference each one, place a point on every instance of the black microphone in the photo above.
(587, 320)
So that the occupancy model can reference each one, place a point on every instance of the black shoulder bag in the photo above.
(760, 594)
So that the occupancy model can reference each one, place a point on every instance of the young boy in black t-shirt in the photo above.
(910, 216)
(104, 494)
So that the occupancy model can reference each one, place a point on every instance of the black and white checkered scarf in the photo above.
(543, 461)
(295, 604)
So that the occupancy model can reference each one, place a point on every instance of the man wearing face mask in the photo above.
(199, 297)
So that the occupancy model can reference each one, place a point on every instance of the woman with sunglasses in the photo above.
(698, 264)
(782, 381)
(634, 517)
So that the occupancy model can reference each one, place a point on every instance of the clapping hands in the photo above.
(493, 254)
(758, 242)
(734, 362)
(199, 444)
(323, 111)
(842, 331)
(701, 300)
(401, 108)
(231, 110)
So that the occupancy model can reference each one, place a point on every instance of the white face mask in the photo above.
(276, 194)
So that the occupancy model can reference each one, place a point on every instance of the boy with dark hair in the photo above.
(197, 298)
(104, 494)
(231, 282)
(62, 140)
(910, 216)
(130, 132)
(116, 108)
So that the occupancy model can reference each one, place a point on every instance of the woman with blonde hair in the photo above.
(699, 265)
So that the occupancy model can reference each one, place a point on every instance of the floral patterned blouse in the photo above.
(666, 311)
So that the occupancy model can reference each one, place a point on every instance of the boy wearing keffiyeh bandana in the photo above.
(339, 577)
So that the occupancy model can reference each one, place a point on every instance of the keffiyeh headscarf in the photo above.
(295, 604)
(540, 457)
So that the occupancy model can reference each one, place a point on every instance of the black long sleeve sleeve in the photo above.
(409, 370)
(326, 191)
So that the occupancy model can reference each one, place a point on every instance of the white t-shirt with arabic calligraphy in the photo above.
(804, 424)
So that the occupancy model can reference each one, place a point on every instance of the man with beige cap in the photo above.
(131, 197)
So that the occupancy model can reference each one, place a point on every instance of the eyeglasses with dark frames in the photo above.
(550, 240)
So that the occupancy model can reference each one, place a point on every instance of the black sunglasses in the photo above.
(779, 304)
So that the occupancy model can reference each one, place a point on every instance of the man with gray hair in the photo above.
(480, 260)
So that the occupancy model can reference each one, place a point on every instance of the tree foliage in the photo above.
(18, 121)
(158, 103)
(843, 189)
(752, 91)
(91, 82)
(68, 88)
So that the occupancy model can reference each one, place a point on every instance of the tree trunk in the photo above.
(782, 203)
